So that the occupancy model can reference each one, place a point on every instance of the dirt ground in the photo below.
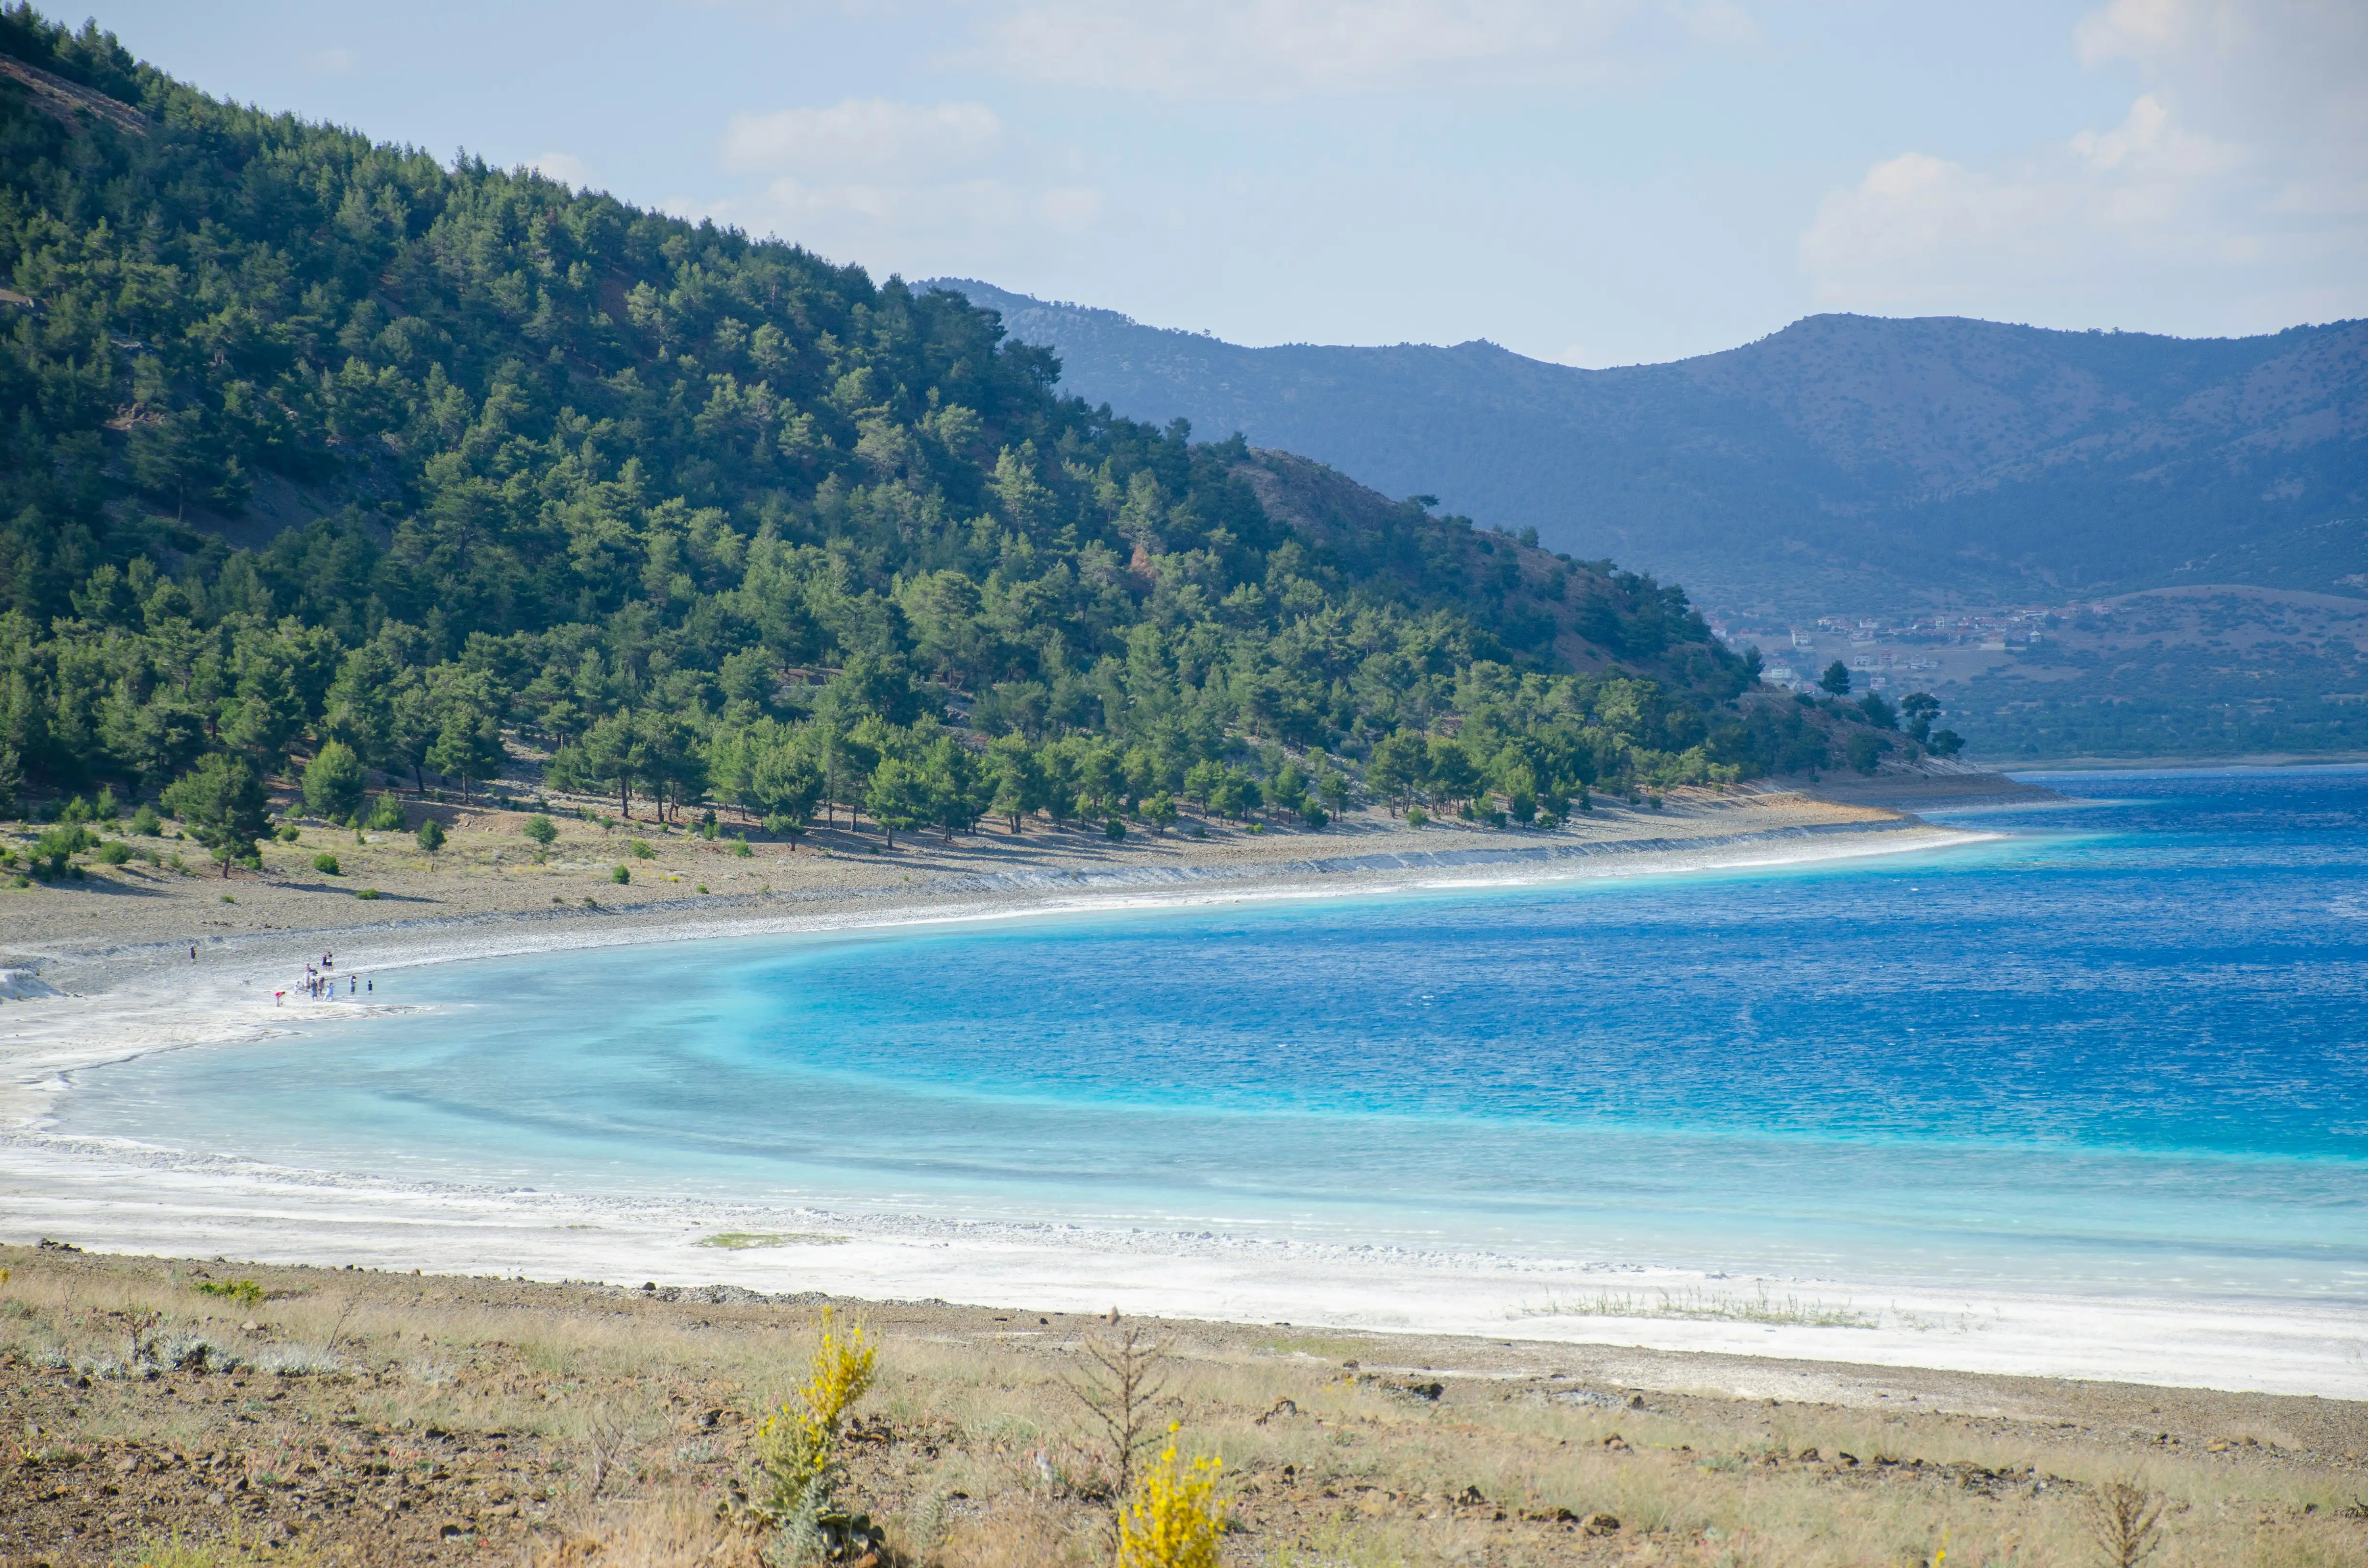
(206, 1414)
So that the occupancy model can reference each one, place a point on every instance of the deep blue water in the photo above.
(2125, 1046)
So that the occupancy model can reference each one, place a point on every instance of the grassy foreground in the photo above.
(381, 1418)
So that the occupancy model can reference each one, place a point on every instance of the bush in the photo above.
(620, 875)
(540, 829)
(366, 892)
(333, 783)
(1313, 814)
(245, 1292)
(1113, 830)
(146, 823)
(431, 835)
(288, 833)
(797, 1445)
(642, 851)
(115, 854)
(56, 845)
(1416, 817)
(326, 864)
(1175, 1520)
(385, 816)
(740, 850)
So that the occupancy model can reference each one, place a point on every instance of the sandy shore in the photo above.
(125, 984)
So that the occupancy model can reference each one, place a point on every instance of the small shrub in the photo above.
(620, 875)
(227, 898)
(797, 1446)
(288, 833)
(642, 851)
(114, 854)
(326, 864)
(541, 830)
(1175, 1520)
(1113, 830)
(146, 823)
(385, 816)
(49, 852)
(431, 835)
(245, 1292)
(367, 892)
(1416, 817)
(740, 850)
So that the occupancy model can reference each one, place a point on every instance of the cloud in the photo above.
(912, 188)
(869, 137)
(2239, 175)
(1274, 48)
(564, 167)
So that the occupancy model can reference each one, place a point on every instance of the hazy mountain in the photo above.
(1844, 464)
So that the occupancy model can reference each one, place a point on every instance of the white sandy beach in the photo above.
(126, 999)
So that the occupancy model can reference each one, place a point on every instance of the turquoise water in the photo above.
(2122, 1047)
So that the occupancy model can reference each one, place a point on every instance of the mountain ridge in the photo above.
(1843, 461)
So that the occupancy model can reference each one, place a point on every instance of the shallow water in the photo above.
(2123, 1047)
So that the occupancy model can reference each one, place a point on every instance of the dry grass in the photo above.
(583, 1425)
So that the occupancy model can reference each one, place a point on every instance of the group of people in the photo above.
(321, 982)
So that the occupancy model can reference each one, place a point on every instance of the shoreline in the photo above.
(149, 1199)
(144, 1000)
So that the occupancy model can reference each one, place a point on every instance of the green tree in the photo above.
(1399, 765)
(1159, 810)
(1334, 788)
(1018, 781)
(1836, 679)
(960, 789)
(540, 830)
(468, 746)
(221, 801)
(899, 797)
(333, 783)
(1450, 773)
(431, 835)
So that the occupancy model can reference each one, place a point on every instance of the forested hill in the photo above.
(318, 448)
(1844, 464)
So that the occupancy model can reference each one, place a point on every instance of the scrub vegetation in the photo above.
(340, 1416)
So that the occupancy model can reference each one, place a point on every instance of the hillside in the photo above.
(1846, 464)
(324, 449)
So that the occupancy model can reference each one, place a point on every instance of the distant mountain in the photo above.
(1846, 463)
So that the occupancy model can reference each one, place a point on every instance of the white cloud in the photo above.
(1717, 21)
(866, 137)
(564, 167)
(909, 187)
(2239, 175)
(1266, 48)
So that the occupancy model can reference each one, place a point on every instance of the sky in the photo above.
(1597, 182)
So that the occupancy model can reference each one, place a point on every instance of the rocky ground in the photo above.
(235, 1414)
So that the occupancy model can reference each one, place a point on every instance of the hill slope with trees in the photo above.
(322, 451)
(1845, 464)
